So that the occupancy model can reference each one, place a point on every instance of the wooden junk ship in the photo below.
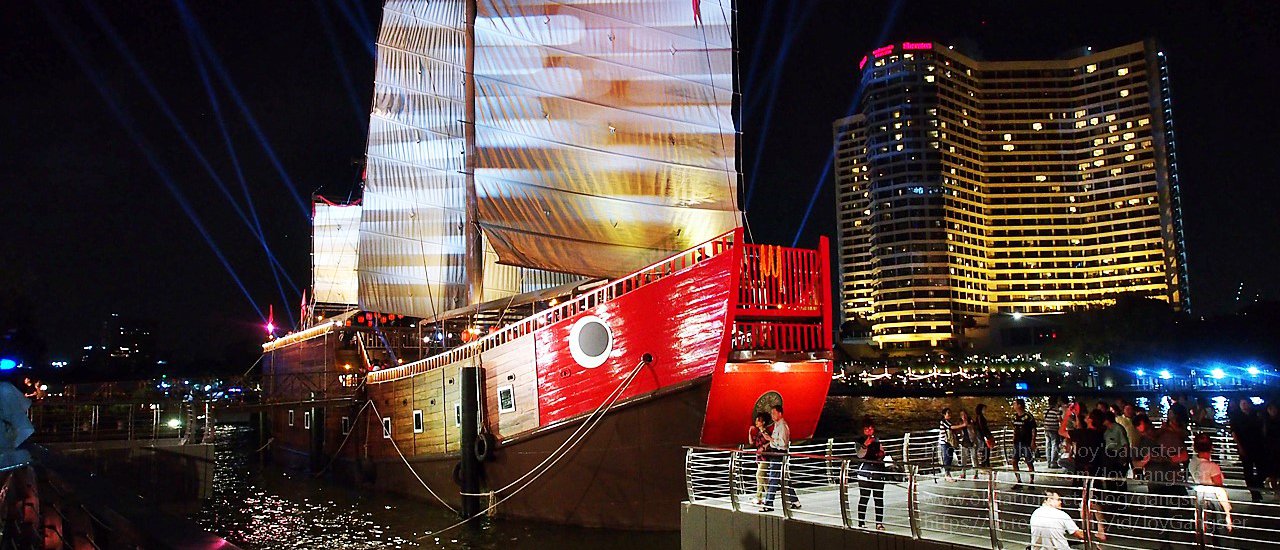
(545, 292)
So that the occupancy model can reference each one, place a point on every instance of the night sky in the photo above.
(90, 227)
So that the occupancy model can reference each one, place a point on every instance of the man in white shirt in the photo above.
(1050, 525)
(779, 442)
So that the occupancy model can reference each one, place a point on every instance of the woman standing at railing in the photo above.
(871, 473)
(968, 438)
(985, 439)
(757, 435)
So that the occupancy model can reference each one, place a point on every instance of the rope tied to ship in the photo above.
(578, 436)
(265, 445)
(344, 440)
(406, 462)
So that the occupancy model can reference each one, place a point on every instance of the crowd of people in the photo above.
(1111, 441)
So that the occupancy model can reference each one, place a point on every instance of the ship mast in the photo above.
(474, 244)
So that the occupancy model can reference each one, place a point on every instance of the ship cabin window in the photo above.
(346, 425)
(417, 421)
(506, 399)
(457, 415)
(306, 420)
(386, 427)
(290, 418)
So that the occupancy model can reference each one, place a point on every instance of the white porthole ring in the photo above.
(590, 341)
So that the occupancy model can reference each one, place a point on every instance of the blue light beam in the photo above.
(887, 28)
(193, 29)
(326, 23)
(123, 49)
(148, 152)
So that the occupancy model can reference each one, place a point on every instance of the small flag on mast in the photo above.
(271, 320)
(697, 12)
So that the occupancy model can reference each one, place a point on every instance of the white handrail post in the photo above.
(845, 515)
(1086, 512)
(991, 510)
(1200, 520)
(785, 485)
(733, 490)
(913, 498)
(906, 447)
(831, 443)
(688, 472)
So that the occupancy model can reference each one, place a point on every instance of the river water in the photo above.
(259, 506)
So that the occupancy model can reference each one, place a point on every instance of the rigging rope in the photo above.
(265, 445)
(344, 439)
(706, 49)
(406, 462)
(562, 451)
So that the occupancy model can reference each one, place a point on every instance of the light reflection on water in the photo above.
(266, 507)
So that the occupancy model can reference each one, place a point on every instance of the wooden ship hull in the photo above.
(731, 329)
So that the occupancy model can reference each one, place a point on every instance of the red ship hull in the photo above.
(731, 329)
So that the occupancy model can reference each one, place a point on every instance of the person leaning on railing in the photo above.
(1207, 477)
(757, 435)
(779, 443)
(871, 474)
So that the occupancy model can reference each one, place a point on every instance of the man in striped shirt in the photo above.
(1052, 439)
(946, 442)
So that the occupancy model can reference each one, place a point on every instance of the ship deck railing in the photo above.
(783, 282)
(989, 508)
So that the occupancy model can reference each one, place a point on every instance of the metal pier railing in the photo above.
(988, 509)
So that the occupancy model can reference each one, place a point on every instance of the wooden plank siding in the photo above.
(515, 365)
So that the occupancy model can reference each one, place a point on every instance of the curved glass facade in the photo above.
(969, 188)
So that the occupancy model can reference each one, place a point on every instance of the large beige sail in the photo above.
(604, 129)
(604, 142)
(335, 239)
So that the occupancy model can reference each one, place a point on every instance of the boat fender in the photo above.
(457, 474)
(485, 445)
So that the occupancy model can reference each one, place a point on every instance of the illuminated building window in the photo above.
(1099, 162)
(1097, 152)
(1122, 71)
(1144, 121)
(1124, 93)
(1097, 141)
(1093, 121)
(899, 147)
(928, 78)
(1110, 118)
(1090, 68)
(1037, 126)
(1042, 178)
(1130, 147)
(1128, 158)
(1080, 124)
(1128, 135)
(1008, 137)
(1008, 147)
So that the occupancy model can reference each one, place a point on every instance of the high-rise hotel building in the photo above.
(969, 188)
